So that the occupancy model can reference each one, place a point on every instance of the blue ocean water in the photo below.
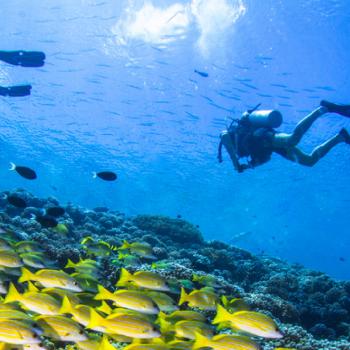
(120, 91)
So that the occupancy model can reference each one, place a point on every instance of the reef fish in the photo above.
(46, 221)
(16, 201)
(18, 332)
(41, 303)
(55, 211)
(144, 279)
(129, 299)
(9, 258)
(51, 279)
(105, 175)
(61, 328)
(24, 171)
(251, 322)
(224, 341)
(143, 250)
(202, 299)
(124, 324)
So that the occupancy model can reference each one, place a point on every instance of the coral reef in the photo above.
(313, 308)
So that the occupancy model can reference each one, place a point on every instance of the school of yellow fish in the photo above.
(71, 308)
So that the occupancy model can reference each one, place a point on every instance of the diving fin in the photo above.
(23, 58)
(15, 91)
(343, 110)
(343, 132)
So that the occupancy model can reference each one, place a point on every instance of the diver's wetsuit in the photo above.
(262, 142)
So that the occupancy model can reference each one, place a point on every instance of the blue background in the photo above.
(134, 104)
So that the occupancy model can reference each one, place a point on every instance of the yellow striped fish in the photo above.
(51, 278)
(129, 299)
(124, 324)
(144, 279)
(61, 328)
(251, 322)
(41, 303)
(18, 332)
(80, 313)
(225, 342)
(9, 258)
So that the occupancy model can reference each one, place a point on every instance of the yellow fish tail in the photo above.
(195, 278)
(105, 308)
(95, 319)
(70, 264)
(105, 344)
(200, 342)
(165, 326)
(12, 295)
(124, 278)
(222, 315)
(183, 296)
(126, 245)
(32, 288)
(66, 307)
(103, 294)
(26, 275)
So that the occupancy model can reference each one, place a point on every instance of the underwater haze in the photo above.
(144, 88)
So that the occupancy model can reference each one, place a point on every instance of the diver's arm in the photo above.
(237, 165)
(227, 142)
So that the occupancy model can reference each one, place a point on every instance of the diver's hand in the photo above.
(243, 167)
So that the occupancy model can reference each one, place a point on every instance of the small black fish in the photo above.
(202, 74)
(23, 58)
(55, 211)
(16, 201)
(178, 216)
(106, 175)
(24, 171)
(46, 221)
(342, 259)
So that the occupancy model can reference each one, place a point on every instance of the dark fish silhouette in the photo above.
(55, 211)
(16, 201)
(23, 58)
(280, 86)
(46, 221)
(202, 74)
(15, 91)
(106, 175)
(24, 171)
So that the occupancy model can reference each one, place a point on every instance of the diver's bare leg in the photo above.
(282, 140)
(319, 152)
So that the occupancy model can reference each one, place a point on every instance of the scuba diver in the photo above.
(254, 137)
(23, 59)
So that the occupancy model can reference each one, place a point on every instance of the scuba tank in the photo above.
(263, 118)
(251, 120)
